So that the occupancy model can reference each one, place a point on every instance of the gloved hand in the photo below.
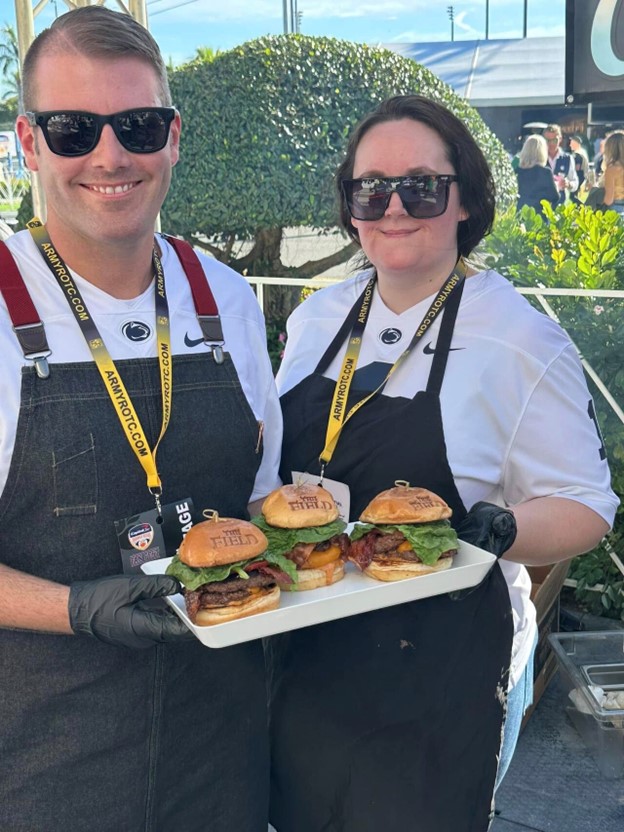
(111, 610)
(489, 527)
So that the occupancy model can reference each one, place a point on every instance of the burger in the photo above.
(226, 572)
(404, 532)
(302, 524)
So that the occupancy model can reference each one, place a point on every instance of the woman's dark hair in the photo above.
(476, 186)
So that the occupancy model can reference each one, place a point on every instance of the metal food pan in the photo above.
(606, 676)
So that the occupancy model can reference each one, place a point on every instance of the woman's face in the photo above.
(397, 244)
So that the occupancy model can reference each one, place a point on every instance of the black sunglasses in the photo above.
(76, 133)
(423, 197)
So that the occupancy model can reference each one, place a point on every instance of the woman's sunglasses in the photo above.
(76, 133)
(423, 197)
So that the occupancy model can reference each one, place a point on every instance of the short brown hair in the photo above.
(97, 32)
(553, 128)
(477, 191)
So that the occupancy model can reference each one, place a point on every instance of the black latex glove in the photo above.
(111, 610)
(489, 527)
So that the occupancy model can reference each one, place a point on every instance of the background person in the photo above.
(581, 165)
(560, 163)
(127, 724)
(391, 719)
(535, 179)
(612, 179)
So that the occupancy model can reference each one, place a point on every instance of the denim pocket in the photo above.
(74, 472)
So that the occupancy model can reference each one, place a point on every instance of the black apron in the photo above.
(95, 737)
(391, 720)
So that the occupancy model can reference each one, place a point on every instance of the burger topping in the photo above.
(194, 577)
(426, 542)
(223, 593)
(297, 544)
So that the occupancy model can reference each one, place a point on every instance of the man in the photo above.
(561, 164)
(111, 716)
(581, 165)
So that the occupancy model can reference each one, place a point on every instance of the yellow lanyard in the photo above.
(119, 396)
(337, 416)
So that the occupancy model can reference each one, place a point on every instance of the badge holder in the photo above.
(147, 536)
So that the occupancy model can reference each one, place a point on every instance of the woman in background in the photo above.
(613, 177)
(535, 179)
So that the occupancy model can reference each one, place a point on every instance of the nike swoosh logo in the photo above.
(192, 342)
(429, 350)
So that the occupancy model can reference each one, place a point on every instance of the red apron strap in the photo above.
(205, 304)
(26, 322)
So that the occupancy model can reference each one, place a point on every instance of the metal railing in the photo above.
(540, 293)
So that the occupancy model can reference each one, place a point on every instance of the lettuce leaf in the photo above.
(428, 540)
(283, 540)
(192, 577)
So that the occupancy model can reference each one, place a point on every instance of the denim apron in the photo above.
(390, 720)
(95, 737)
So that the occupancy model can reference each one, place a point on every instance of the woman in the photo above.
(535, 179)
(613, 177)
(391, 720)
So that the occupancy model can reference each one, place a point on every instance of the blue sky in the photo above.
(222, 24)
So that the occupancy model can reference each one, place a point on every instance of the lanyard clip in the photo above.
(156, 494)
(322, 472)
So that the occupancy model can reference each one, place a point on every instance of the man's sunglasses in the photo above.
(76, 133)
(423, 197)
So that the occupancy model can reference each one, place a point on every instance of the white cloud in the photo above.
(465, 27)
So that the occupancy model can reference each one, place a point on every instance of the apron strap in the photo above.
(205, 304)
(443, 344)
(27, 324)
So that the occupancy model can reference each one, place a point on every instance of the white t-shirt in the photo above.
(514, 401)
(243, 329)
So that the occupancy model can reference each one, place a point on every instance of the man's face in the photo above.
(552, 140)
(109, 196)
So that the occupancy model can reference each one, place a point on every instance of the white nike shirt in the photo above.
(128, 330)
(514, 401)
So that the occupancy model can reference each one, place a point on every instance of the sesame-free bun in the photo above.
(397, 570)
(299, 506)
(314, 578)
(220, 541)
(262, 601)
(403, 504)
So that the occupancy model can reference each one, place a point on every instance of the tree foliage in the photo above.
(9, 65)
(264, 127)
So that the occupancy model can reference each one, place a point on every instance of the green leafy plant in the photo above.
(264, 127)
(576, 247)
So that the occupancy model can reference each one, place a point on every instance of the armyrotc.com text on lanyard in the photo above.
(112, 380)
(337, 416)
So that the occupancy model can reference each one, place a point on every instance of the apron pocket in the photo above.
(75, 477)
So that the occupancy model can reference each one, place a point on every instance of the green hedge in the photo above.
(266, 124)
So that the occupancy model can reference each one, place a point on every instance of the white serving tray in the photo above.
(354, 594)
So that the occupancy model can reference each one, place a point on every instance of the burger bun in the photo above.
(299, 506)
(403, 504)
(221, 541)
(397, 570)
